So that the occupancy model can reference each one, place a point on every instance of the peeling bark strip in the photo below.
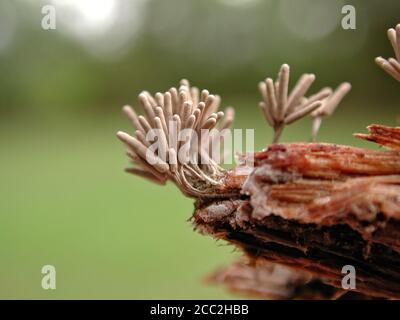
(385, 136)
(318, 207)
(273, 281)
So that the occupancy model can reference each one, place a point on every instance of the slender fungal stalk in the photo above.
(392, 65)
(281, 108)
(171, 113)
(329, 105)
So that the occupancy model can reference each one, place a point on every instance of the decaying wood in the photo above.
(274, 281)
(317, 207)
(385, 136)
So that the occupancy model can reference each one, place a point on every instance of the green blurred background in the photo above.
(65, 199)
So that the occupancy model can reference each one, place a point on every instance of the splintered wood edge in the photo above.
(385, 136)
